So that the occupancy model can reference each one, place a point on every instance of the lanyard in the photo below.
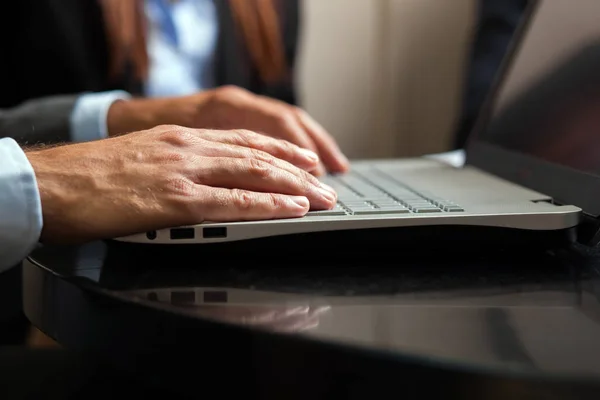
(166, 21)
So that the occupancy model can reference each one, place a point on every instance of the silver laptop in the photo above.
(532, 163)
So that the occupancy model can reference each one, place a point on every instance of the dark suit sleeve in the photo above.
(44, 120)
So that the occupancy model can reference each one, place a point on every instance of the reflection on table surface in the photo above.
(530, 311)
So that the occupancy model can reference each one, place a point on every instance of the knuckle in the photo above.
(166, 128)
(227, 92)
(308, 180)
(247, 138)
(286, 120)
(180, 186)
(159, 129)
(177, 136)
(259, 168)
(169, 157)
(245, 133)
(275, 201)
(287, 147)
(230, 89)
(261, 156)
(183, 195)
(242, 199)
(301, 113)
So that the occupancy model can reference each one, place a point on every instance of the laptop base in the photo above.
(415, 240)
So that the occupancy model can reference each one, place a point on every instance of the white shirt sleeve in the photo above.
(20, 205)
(89, 116)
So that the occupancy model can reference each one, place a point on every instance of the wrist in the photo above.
(126, 116)
(49, 188)
(59, 189)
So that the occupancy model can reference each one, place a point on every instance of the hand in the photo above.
(274, 318)
(232, 108)
(171, 176)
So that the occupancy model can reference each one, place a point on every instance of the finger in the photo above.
(214, 149)
(326, 146)
(282, 149)
(292, 131)
(259, 176)
(227, 205)
(289, 128)
(239, 314)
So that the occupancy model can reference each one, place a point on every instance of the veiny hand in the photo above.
(231, 107)
(171, 176)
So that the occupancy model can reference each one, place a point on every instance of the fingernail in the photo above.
(300, 201)
(311, 155)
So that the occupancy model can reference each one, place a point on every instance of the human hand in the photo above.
(231, 107)
(275, 318)
(172, 176)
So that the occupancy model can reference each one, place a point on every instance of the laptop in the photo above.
(532, 161)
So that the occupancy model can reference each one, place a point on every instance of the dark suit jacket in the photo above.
(58, 48)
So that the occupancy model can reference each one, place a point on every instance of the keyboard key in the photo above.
(412, 199)
(361, 207)
(420, 204)
(424, 210)
(386, 203)
(356, 203)
(379, 211)
(370, 191)
(393, 207)
(323, 213)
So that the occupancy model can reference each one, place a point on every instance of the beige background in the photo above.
(385, 76)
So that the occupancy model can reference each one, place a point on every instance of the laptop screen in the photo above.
(542, 127)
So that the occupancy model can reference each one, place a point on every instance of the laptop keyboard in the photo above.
(374, 193)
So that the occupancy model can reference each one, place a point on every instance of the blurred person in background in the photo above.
(126, 65)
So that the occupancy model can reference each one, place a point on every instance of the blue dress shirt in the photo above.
(182, 38)
(20, 205)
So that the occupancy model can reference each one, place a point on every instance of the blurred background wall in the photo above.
(385, 76)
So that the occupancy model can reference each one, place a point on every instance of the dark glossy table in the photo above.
(280, 324)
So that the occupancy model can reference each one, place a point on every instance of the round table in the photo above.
(352, 324)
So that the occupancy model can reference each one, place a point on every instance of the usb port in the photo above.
(214, 232)
(182, 233)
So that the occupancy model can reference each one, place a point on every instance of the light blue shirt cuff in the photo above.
(88, 119)
(20, 205)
